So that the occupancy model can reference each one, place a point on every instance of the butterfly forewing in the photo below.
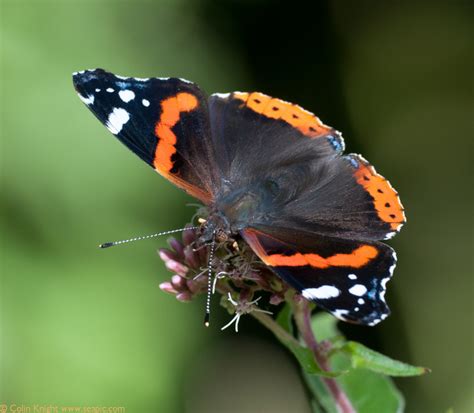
(163, 120)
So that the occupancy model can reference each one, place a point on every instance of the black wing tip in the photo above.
(88, 72)
(83, 76)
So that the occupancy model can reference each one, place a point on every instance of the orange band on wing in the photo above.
(356, 259)
(386, 201)
(306, 122)
(171, 109)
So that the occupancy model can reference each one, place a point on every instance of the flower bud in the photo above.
(177, 267)
(191, 257)
(178, 282)
(184, 296)
(177, 246)
(167, 287)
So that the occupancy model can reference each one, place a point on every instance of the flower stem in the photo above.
(302, 315)
(274, 327)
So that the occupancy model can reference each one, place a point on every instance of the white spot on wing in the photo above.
(340, 313)
(110, 90)
(375, 321)
(127, 95)
(358, 290)
(185, 80)
(390, 235)
(97, 90)
(221, 95)
(89, 100)
(324, 292)
(117, 118)
(352, 277)
(383, 284)
(145, 102)
(392, 267)
(361, 301)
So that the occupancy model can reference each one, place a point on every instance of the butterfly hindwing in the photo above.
(164, 121)
(346, 278)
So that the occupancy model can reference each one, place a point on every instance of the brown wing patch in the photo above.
(301, 119)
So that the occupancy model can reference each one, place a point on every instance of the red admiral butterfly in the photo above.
(269, 171)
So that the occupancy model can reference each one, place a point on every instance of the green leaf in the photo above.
(284, 318)
(323, 400)
(363, 357)
(372, 392)
(307, 361)
(367, 390)
(324, 326)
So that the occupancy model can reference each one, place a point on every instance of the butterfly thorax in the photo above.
(231, 213)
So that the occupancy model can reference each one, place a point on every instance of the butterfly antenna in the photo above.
(112, 244)
(209, 282)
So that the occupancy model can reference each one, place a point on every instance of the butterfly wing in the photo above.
(265, 142)
(310, 213)
(342, 197)
(164, 121)
(346, 278)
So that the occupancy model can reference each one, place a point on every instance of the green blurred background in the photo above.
(82, 326)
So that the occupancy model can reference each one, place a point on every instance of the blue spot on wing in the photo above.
(335, 142)
(374, 291)
(353, 161)
(123, 84)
